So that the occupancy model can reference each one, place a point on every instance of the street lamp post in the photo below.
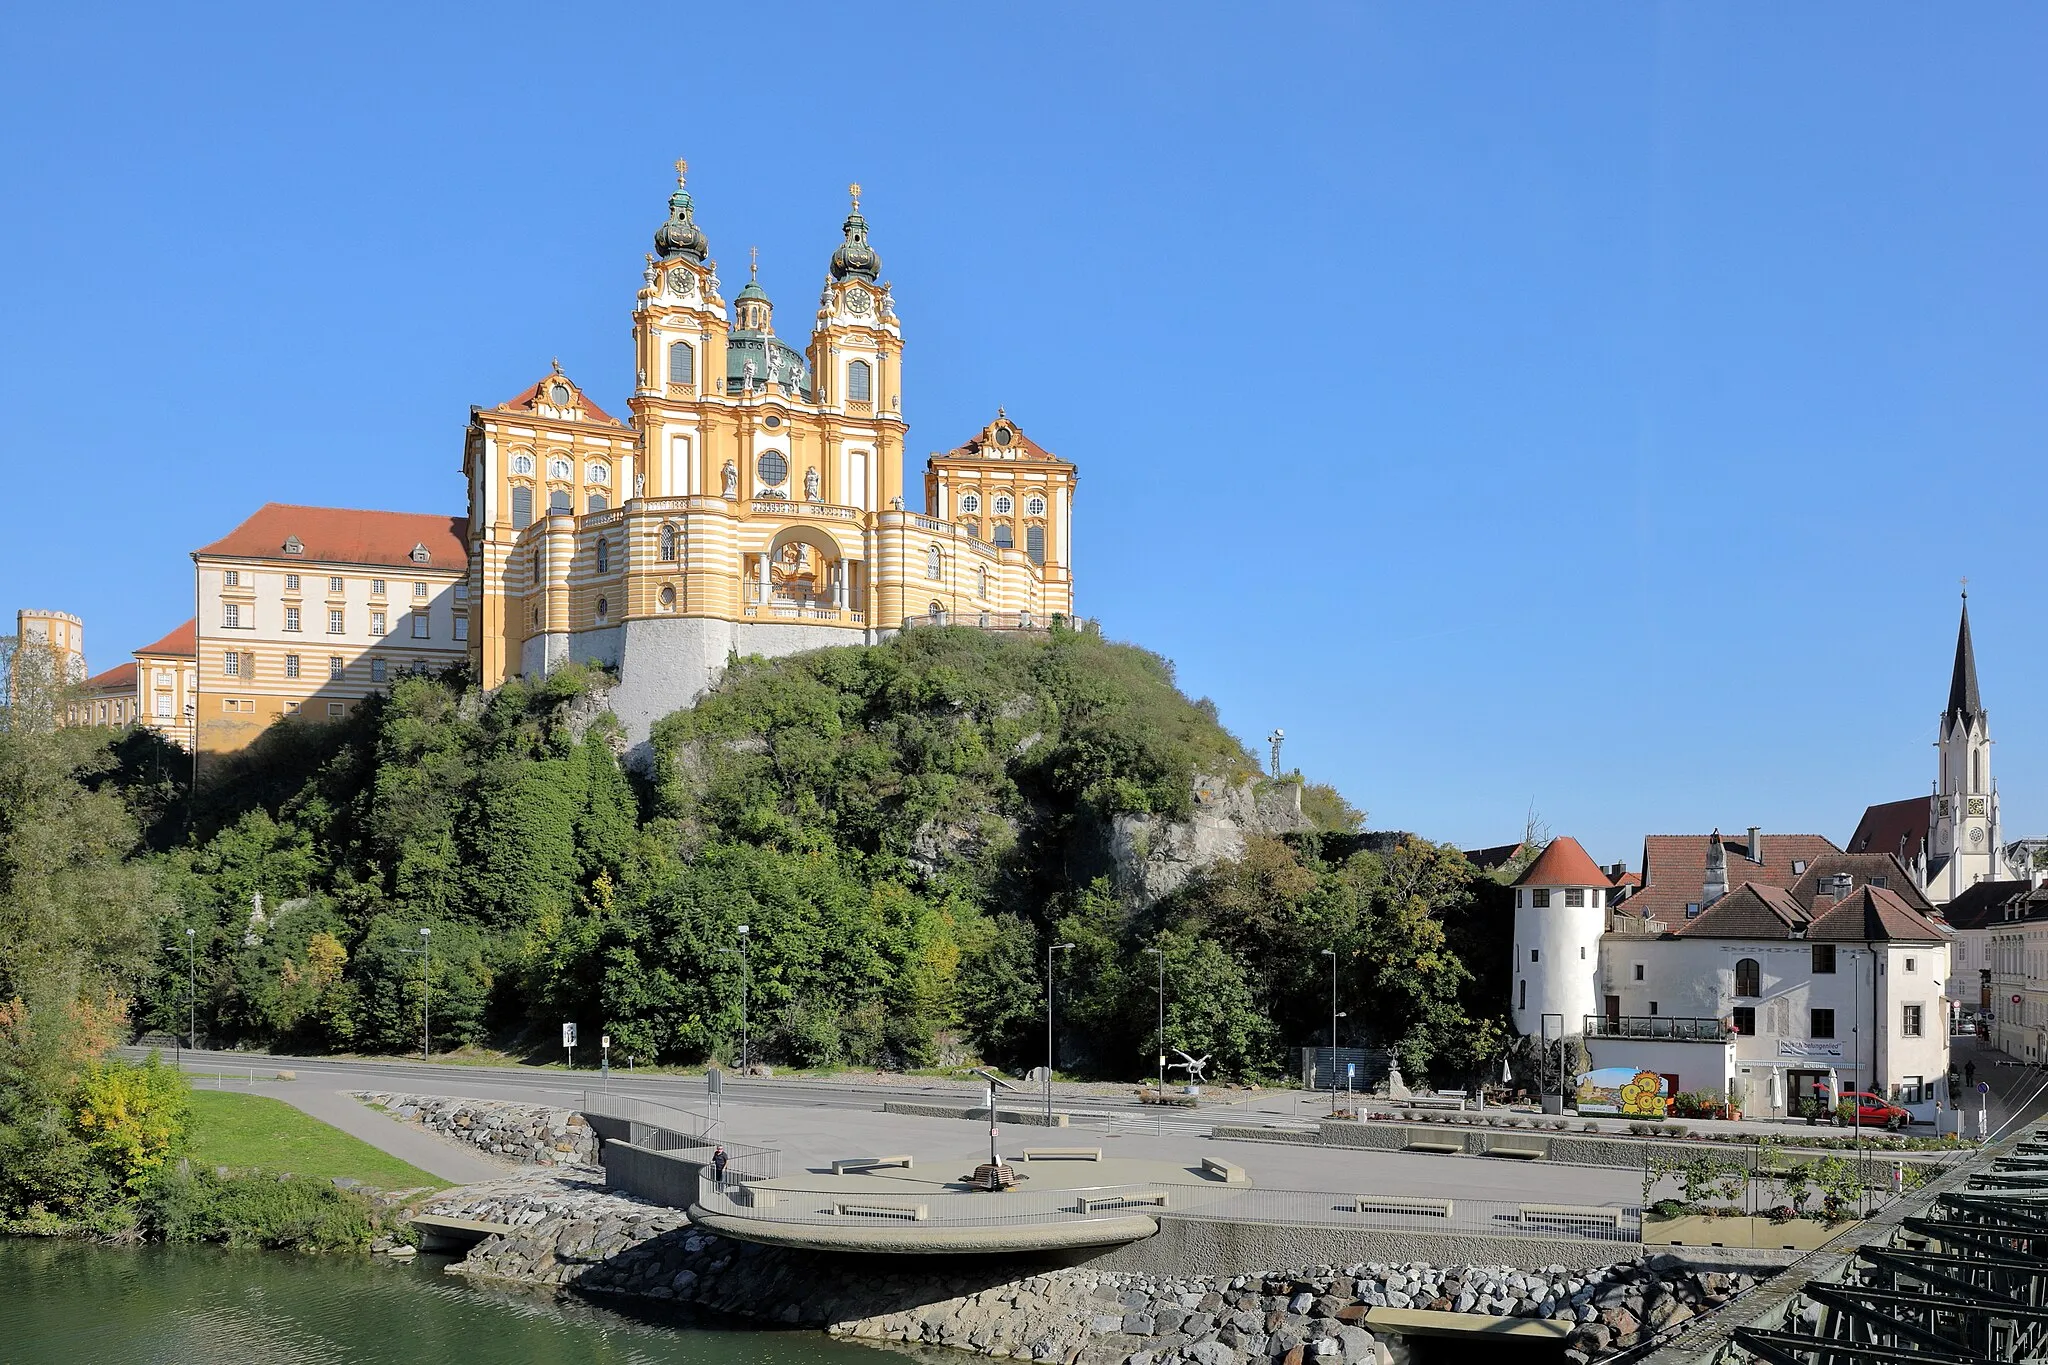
(1331, 953)
(1161, 955)
(746, 979)
(1050, 950)
(426, 991)
(191, 991)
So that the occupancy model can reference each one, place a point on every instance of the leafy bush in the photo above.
(132, 1118)
(260, 1210)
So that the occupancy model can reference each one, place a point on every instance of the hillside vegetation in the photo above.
(903, 828)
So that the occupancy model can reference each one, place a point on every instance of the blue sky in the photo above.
(1585, 406)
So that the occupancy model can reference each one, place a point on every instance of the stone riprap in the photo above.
(569, 1232)
(529, 1134)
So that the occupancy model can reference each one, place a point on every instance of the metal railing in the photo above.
(864, 1202)
(1676, 1028)
(686, 1133)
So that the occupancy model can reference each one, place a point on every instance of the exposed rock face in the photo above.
(569, 1232)
(530, 1134)
(1155, 857)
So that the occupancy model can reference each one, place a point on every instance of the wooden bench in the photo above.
(1063, 1154)
(1570, 1213)
(1138, 1199)
(909, 1213)
(1225, 1171)
(1394, 1203)
(868, 1163)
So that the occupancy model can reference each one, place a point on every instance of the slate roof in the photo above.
(1675, 868)
(1983, 903)
(1563, 863)
(1898, 827)
(1864, 869)
(1869, 914)
(341, 535)
(1963, 699)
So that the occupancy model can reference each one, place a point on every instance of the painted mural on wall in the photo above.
(1623, 1090)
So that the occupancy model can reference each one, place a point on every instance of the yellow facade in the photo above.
(753, 484)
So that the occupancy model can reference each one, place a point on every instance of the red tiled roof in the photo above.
(1863, 869)
(120, 676)
(528, 398)
(182, 642)
(1749, 911)
(982, 446)
(1628, 879)
(1873, 913)
(1898, 827)
(1675, 868)
(338, 535)
(1563, 863)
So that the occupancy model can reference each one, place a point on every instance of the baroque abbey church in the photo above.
(751, 502)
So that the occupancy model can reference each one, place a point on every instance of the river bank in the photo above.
(569, 1233)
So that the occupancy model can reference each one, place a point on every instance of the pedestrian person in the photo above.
(718, 1160)
(1969, 1073)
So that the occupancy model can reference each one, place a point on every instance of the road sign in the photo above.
(605, 1041)
(568, 1035)
(2016, 1000)
(1350, 1070)
(1983, 1087)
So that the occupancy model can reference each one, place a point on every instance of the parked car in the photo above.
(1872, 1111)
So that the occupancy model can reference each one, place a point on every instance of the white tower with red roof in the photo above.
(1560, 914)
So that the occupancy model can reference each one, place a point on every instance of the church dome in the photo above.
(680, 235)
(855, 259)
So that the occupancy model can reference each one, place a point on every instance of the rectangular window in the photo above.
(376, 587)
(376, 623)
(231, 579)
(1639, 971)
(335, 625)
(230, 616)
(231, 664)
(291, 618)
(1522, 1000)
(1745, 1020)
(419, 625)
(376, 670)
(1909, 1022)
(334, 585)
(1912, 965)
(419, 590)
(1535, 954)
(1575, 898)
(291, 582)
(334, 666)
(462, 592)
(1912, 1089)
(462, 627)
(1824, 960)
(334, 708)
(163, 708)
(291, 665)
(1821, 1025)
(291, 708)
(1539, 899)
(1653, 1007)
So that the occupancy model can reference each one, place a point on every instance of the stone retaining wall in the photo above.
(530, 1134)
(570, 1233)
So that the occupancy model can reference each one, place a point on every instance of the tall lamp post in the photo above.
(1331, 953)
(746, 979)
(1050, 950)
(191, 991)
(426, 991)
(1158, 953)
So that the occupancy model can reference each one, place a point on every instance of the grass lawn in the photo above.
(242, 1131)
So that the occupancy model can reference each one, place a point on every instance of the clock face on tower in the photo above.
(681, 283)
(858, 301)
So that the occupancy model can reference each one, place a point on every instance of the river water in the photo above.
(63, 1303)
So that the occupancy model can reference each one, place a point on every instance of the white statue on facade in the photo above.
(811, 483)
(732, 480)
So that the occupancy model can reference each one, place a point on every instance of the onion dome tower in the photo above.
(1560, 914)
(855, 259)
(680, 235)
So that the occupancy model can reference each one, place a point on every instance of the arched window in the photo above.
(1004, 506)
(522, 507)
(603, 609)
(668, 543)
(597, 472)
(1748, 978)
(981, 578)
(682, 363)
(1976, 770)
(1034, 543)
(522, 464)
(604, 555)
(561, 469)
(858, 386)
(1034, 507)
(934, 563)
(668, 599)
(597, 502)
(970, 503)
(558, 501)
(1006, 539)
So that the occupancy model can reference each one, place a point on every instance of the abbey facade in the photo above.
(751, 502)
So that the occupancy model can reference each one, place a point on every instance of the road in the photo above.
(813, 1122)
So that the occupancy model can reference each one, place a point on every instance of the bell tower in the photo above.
(1965, 825)
(856, 347)
(680, 326)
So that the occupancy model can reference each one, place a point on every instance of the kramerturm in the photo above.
(752, 502)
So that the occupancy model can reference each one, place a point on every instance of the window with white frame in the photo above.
(291, 618)
(335, 667)
(334, 584)
(337, 623)
(163, 707)
(1035, 507)
(376, 587)
(561, 470)
(231, 578)
(231, 664)
(1912, 1090)
(1004, 506)
(596, 471)
(376, 623)
(934, 563)
(376, 670)
(970, 503)
(291, 665)
(462, 627)
(291, 582)
(230, 616)
(419, 625)
(1910, 1021)
(522, 464)
(1575, 898)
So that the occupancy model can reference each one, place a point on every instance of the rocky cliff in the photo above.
(1155, 856)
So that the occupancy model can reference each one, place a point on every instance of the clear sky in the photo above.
(1585, 406)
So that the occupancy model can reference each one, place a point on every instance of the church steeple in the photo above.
(680, 235)
(1964, 704)
(855, 259)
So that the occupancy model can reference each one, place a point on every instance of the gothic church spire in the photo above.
(1963, 702)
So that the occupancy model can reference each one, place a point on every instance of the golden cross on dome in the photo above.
(854, 190)
(681, 167)
(753, 263)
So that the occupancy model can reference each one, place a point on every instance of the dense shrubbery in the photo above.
(258, 1210)
(903, 828)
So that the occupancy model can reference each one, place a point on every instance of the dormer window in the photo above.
(419, 554)
(1798, 866)
(294, 546)
(1837, 884)
(558, 394)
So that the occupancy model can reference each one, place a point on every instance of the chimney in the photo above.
(1716, 885)
(1756, 845)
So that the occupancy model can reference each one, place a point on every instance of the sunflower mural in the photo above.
(1622, 1090)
